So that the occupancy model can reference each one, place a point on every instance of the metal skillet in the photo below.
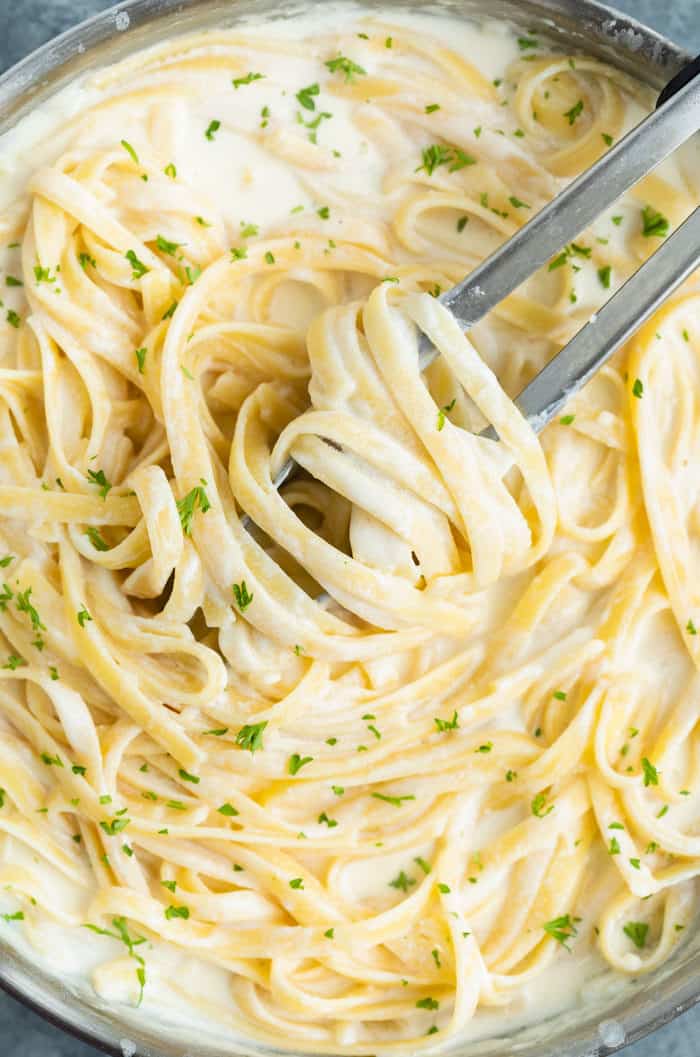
(597, 1026)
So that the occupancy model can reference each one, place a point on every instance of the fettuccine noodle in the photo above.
(428, 728)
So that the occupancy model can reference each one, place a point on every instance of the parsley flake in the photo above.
(562, 929)
(241, 596)
(654, 223)
(403, 882)
(250, 736)
(138, 268)
(186, 507)
(341, 64)
(637, 932)
(575, 112)
(296, 762)
(238, 82)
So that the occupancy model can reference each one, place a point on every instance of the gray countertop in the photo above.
(24, 25)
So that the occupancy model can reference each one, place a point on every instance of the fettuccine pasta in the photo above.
(381, 750)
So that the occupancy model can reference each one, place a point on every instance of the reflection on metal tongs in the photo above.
(675, 120)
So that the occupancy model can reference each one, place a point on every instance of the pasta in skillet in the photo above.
(384, 746)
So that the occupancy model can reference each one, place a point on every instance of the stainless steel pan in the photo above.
(620, 1014)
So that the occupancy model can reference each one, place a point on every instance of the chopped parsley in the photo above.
(116, 825)
(13, 662)
(427, 1003)
(93, 534)
(539, 806)
(562, 929)
(131, 152)
(140, 355)
(604, 276)
(83, 617)
(296, 882)
(24, 605)
(165, 246)
(6, 596)
(186, 507)
(437, 155)
(651, 775)
(654, 223)
(250, 736)
(403, 882)
(443, 725)
(228, 810)
(296, 762)
(349, 69)
(517, 203)
(122, 934)
(305, 96)
(442, 412)
(241, 596)
(396, 801)
(177, 912)
(212, 128)
(557, 262)
(637, 932)
(575, 112)
(98, 478)
(43, 275)
(187, 777)
(170, 171)
(238, 82)
(139, 269)
(638, 388)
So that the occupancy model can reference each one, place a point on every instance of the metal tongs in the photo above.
(675, 120)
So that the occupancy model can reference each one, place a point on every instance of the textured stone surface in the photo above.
(24, 25)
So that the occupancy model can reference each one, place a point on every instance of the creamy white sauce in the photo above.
(237, 183)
